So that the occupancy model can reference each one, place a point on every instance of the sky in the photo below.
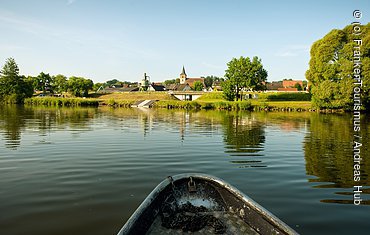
(111, 39)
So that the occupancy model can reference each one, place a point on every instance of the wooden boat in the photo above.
(201, 204)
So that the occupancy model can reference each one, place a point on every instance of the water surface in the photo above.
(85, 170)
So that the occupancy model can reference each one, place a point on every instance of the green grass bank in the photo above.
(209, 101)
(56, 101)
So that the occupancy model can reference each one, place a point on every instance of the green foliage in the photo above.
(285, 96)
(169, 82)
(59, 83)
(97, 85)
(13, 87)
(326, 152)
(333, 95)
(244, 73)
(198, 86)
(196, 105)
(55, 101)
(244, 105)
(110, 83)
(228, 89)
(111, 102)
(212, 96)
(222, 105)
(331, 68)
(298, 86)
(209, 80)
(10, 68)
(79, 86)
(44, 81)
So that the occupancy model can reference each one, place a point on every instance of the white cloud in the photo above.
(8, 19)
(69, 2)
(212, 66)
(293, 51)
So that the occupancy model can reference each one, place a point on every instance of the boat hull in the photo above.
(225, 209)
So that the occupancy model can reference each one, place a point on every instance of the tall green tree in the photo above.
(59, 83)
(228, 90)
(198, 86)
(298, 86)
(97, 86)
(169, 82)
(111, 82)
(209, 80)
(44, 82)
(79, 86)
(331, 68)
(13, 87)
(244, 73)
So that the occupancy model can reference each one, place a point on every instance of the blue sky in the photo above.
(102, 40)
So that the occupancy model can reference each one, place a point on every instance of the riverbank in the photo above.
(58, 101)
(210, 101)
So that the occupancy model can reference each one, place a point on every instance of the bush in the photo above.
(283, 96)
(221, 105)
(244, 105)
(54, 101)
(212, 96)
(111, 102)
(208, 106)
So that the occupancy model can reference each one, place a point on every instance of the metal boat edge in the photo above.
(126, 229)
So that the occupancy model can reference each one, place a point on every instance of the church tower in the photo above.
(183, 76)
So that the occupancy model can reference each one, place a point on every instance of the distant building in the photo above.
(144, 85)
(190, 81)
(155, 87)
(285, 85)
(178, 87)
(216, 86)
(274, 86)
(292, 83)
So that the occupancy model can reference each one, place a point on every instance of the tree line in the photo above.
(330, 75)
(332, 68)
(14, 88)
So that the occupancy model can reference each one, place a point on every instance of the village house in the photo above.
(274, 85)
(285, 85)
(190, 81)
(156, 87)
(292, 83)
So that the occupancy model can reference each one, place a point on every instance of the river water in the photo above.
(85, 170)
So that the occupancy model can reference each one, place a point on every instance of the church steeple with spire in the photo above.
(183, 76)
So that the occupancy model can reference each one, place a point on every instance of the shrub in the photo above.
(283, 96)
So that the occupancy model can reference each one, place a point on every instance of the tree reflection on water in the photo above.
(244, 137)
(12, 123)
(14, 120)
(328, 149)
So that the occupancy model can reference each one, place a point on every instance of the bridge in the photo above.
(186, 95)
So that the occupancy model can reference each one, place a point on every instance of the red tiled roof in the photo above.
(288, 83)
(191, 81)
